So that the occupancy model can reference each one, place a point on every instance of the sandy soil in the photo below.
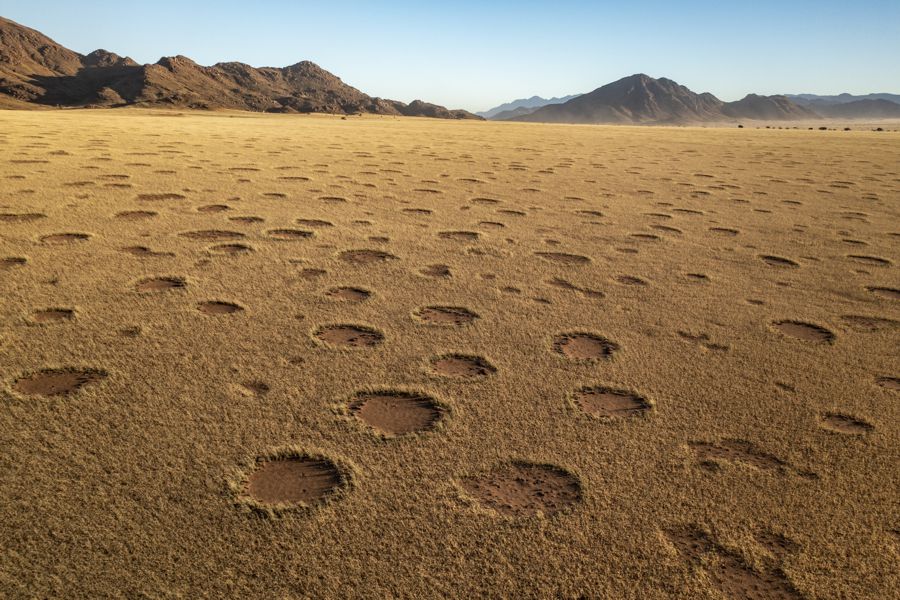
(289, 357)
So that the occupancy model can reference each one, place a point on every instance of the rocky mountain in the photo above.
(634, 99)
(768, 108)
(522, 106)
(35, 69)
(640, 99)
(27, 55)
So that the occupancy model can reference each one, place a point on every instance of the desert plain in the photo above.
(281, 356)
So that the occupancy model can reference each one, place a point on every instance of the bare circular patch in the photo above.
(53, 315)
(246, 219)
(366, 257)
(11, 262)
(64, 238)
(396, 413)
(845, 424)
(312, 273)
(213, 208)
(436, 271)
(231, 248)
(136, 215)
(164, 196)
(724, 231)
(289, 234)
(885, 292)
(160, 284)
(314, 223)
(584, 346)
(563, 258)
(804, 331)
(462, 365)
(778, 261)
(445, 315)
(349, 294)
(21, 217)
(219, 308)
(354, 336)
(298, 481)
(144, 252)
(630, 280)
(610, 403)
(57, 382)
(867, 323)
(212, 235)
(869, 260)
(459, 236)
(521, 489)
(889, 383)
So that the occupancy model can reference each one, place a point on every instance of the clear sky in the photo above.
(474, 55)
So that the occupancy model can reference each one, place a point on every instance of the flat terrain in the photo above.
(292, 356)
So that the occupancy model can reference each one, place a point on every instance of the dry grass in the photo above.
(657, 242)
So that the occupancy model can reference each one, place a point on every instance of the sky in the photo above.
(475, 55)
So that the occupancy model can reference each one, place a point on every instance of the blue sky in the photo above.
(475, 55)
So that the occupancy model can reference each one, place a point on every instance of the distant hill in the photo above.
(35, 69)
(522, 106)
(515, 112)
(634, 99)
(815, 100)
(769, 108)
(848, 106)
(640, 99)
(861, 109)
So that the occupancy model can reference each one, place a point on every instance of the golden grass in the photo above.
(764, 454)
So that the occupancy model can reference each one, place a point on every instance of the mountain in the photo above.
(35, 69)
(26, 53)
(640, 99)
(848, 106)
(506, 115)
(769, 108)
(861, 109)
(634, 99)
(815, 100)
(522, 106)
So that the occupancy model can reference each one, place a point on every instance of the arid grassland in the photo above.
(303, 356)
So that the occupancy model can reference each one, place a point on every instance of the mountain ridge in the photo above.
(845, 98)
(637, 98)
(532, 103)
(641, 99)
(37, 70)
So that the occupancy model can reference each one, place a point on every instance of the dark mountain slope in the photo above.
(634, 99)
(34, 68)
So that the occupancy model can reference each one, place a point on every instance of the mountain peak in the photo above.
(640, 98)
(104, 58)
(173, 62)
